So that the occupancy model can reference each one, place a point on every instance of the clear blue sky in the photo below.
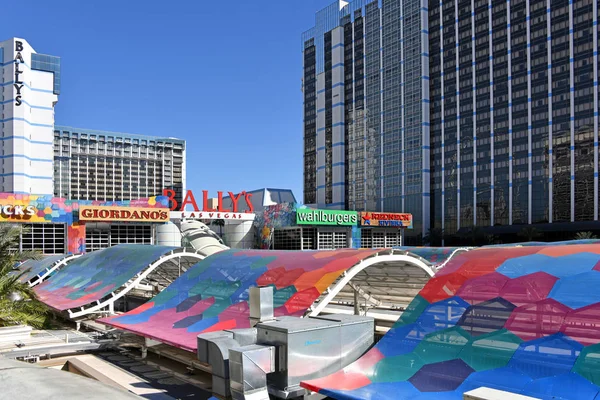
(223, 75)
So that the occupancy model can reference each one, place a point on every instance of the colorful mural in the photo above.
(61, 211)
(519, 319)
(213, 294)
(95, 275)
(32, 268)
(276, 216)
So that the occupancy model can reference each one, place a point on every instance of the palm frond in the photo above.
(28, 310)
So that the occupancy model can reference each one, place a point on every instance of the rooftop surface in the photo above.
(26, 381)
(117, 134)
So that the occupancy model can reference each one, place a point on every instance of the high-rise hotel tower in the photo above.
(29, 89)
(466, 113)
(366, 108)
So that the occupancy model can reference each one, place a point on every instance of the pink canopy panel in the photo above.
(213, 294)
(95, 275)
(520, 319)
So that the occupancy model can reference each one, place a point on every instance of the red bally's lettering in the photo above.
(234, 200)
(171, 195)
(205, 202)
(248, 197)
(189, 199)
(220, 207)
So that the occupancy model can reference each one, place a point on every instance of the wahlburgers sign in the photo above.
(326, 217)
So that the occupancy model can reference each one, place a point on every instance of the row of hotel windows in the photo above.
(83, 138)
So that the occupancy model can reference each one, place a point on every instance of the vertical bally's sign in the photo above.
(18, 82)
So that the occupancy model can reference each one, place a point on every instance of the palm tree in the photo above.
(18, 302)
(529, 233)
(585, 235)
(220, 223)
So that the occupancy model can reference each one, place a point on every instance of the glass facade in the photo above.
(514, 106)
(311, 238)
(96, 165)
(465, 113)
(43, 62)
(379, 101)
(45, 238)
(310, 124)
(100, 236)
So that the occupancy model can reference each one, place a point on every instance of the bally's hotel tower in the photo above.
(464, 113)
(29, 89)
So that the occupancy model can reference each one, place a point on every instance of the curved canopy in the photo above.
(31, 268)
(35, 271)
(213, 294)
(562, 243)
(437, 256)
(386, 283)
(509, 318)
(95, 275)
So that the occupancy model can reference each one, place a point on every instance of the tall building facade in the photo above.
(30, 85)
(366, 108)
(503, 129)
(98, 165)
(514, 112)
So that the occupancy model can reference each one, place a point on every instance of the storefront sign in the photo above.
(326, 217)
(228, 216)
(18, 80)
(386, 219)
(107, 213)
(238, 205)
(15, 213)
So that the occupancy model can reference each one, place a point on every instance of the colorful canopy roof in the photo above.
(213, 294)
(520, 319)
(434, 255)
(95, 275)
(33, 268)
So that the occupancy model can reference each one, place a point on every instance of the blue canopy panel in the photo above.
(33, 268)
(213, 294)
(95, 275)
(522, 319)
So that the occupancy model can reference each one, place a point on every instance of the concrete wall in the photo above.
(239, 235)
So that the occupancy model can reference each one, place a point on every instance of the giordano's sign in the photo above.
(326, 217)
(108, 213)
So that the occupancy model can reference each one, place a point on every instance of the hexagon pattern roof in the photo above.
(94, 275)
(523, 319)
(435, 255)
(213, 294)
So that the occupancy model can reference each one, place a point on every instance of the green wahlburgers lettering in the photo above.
(326, 217)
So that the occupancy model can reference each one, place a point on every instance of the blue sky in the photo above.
(225, 76)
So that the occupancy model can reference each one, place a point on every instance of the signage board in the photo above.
(227, 216)
(395, 220)
(16, 213)
(18, 82)
(326, 217)
(240, 203)
(107, 213)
